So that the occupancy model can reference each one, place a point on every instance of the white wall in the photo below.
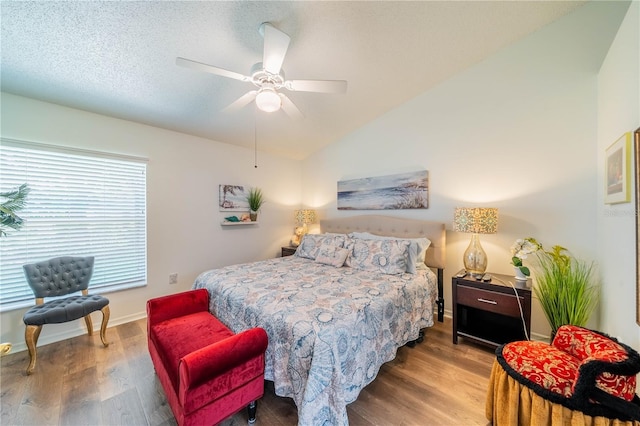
(183, 221)
(517, 132)
(619, 112)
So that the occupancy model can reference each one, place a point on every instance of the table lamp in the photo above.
(475, 220)
(303, 218)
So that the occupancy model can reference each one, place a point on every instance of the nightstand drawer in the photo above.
(490, 301)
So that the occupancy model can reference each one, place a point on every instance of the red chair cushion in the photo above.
(178, 337)
(543, 364)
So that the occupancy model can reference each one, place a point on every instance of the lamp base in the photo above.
(475, 258)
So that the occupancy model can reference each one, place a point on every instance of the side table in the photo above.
(288, 251)
(490, 313)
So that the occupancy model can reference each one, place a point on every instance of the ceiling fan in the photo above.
(268, 77)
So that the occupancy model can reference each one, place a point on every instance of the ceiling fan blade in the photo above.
(290, 108)
(242, 101)
(188, 63)
(276, 44)
(320, 86)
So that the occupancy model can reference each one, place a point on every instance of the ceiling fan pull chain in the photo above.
(255, 140)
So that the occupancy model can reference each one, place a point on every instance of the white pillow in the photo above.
(332, 255)
(310, 244)
(417, 248)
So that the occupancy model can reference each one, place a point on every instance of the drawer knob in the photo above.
(491, 302)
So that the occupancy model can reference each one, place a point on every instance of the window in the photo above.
(81, 204)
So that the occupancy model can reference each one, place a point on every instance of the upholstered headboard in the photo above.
(401, 228)
(394, 227)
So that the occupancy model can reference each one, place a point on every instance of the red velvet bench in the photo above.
(208, 373)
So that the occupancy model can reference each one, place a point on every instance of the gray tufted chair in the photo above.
(61, 276)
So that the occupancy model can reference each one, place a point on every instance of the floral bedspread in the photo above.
(330, 329)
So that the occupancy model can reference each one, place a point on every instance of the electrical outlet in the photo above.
(173, 278)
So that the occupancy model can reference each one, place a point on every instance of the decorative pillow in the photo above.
(587, 346)
(542, 364)
(386, 256)
(332, 255)
(310, 244)
(417, 248)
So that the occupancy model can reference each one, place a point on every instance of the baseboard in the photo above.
(540, 337)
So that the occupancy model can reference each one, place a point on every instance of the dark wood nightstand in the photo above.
(288, 251)
(488, 312)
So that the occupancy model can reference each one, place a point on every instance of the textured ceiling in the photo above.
(118, 59)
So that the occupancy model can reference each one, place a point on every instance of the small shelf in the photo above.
(238, 223)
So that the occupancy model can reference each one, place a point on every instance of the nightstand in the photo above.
(488, 312)
(288, 251)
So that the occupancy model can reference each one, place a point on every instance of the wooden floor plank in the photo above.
(41, 400)
(154, 403)
(123, 409)
(81, 398)
(436, 382)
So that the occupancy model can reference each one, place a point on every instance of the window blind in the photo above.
(80, 204)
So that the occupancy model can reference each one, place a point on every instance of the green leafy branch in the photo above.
(14, 201)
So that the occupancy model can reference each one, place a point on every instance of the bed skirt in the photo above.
(511, 403)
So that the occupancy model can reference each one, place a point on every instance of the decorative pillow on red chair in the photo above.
(588, 346)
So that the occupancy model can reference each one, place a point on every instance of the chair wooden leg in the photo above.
(103, 327)
(31, 335)
(89, 323)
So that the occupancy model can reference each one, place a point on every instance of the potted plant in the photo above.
(255, 200)
(519, 251)
(566, 286)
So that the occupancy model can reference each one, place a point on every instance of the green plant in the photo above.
(14, 202)
(255, 199)
(566, 288)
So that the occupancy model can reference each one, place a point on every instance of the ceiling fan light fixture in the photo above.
(268, 77)
(268, 100)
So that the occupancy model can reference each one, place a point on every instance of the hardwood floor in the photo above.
(79, 382)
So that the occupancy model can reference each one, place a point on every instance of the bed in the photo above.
(331, 328)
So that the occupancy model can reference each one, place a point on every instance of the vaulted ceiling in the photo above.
(119, 59)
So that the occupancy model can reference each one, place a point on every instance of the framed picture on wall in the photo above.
(390, 192)
(636, 150)
(618, 171)
(233, 198)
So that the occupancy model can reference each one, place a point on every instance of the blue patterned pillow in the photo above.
(310, 244)
(332, 255)
(417, 247)
(386, 256)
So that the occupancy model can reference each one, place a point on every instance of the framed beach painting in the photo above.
(618, 171)
(233, 198)
(399, 191)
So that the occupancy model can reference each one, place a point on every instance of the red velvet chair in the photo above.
(208, 373)
(584, 377)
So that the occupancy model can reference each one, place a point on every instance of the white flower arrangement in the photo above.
(520, 250)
